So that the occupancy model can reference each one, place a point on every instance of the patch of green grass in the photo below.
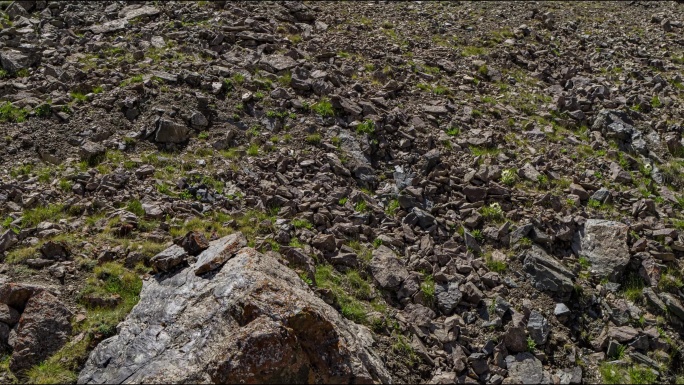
(481, 151)
(611, 373)
(509, 177)
(403, 348)
(301, 223)
(427, 287)
(584, 263)
(49, 372)
(361, 206)
(392, 207)
(323, 107)
(472, 51)
(136, 208)
(495, 266)
(10, 113)
(632, 288)
(493, 212)
(670, 281)
(367, 127)
(44, 110)
(253, 149)
(350, 291)
(531, 345)
(453, 131)
(33, 217)
(641, 375)
(313, 139)
(79, 97)
(132, 80)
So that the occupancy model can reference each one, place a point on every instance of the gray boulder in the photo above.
(169, 131)
(448, 296)
(387, 269)
(604, 243)
(524, 368)
(252, 321)
(538, 327)
(546, 272)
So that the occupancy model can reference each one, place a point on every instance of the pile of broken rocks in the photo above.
(343, 192)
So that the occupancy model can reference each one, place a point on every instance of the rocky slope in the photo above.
(483, 192)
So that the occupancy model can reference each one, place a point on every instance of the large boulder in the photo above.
(604, 244)
(387, 269)
(44, 327)
(546, 273)
(169, 131)
(250, 320)
(524, 368)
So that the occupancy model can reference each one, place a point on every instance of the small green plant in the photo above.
(477, 234)
(584, 263)
(301, 223)
(509, 177)
(10, 113)
(343, 201)
(611, 373)
(495, 266)
(632, 288)
(531, 345)
(314, 139)
(367, 127)
(22, 73)
(453, 131)
(594, 204)
(655, 102)
(44, 110)
(136, 207)
(493, 212)
(253, 149)
(427, 287)
(361, 206)
(203, 135)
(392, 207)
(323, 108)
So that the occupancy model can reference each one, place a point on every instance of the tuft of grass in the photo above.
(367, 127)
(32, 217)
(253, 149)
(427, 287)
(10, 113)
(495, 266)
(492, 212)
(349, 290)
(632, 288)
(323, 107)
(301, 223)
(136, 208)
(392, 207)
(531, 345)
(509, 177)
(313, 139)
(50, 372)
(611, 373)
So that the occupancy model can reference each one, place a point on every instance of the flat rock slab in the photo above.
(253, 321)
(604, 243)
(546, 272)
(219, 252)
